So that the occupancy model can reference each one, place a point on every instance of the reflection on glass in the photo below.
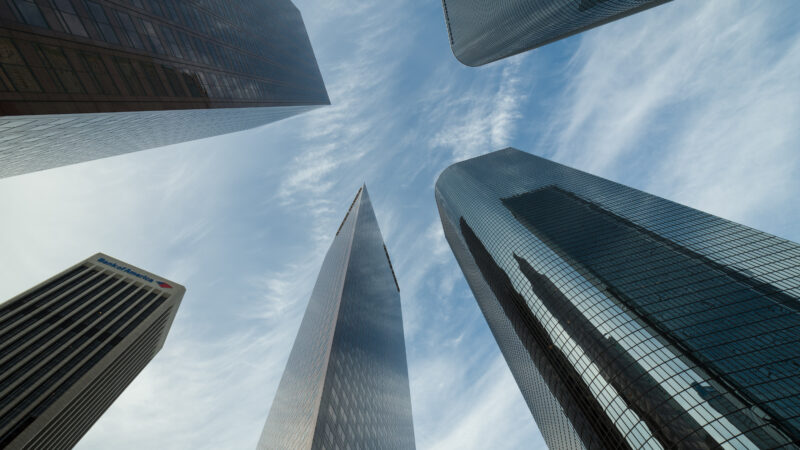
(683, 327)
(346, 381)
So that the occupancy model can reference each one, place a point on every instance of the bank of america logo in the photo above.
(164, 285)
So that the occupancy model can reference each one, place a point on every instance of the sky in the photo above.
(697, 102)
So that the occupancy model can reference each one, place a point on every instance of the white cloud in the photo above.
(493, 412)
(697, 102)
(164, 211)
(481, 117)
(197, 394)
(244, 220)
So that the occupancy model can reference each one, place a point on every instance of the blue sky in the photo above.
(698, 102)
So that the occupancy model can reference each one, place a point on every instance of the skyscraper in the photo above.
(72, 344)
(346, 381)
(482, 31)
(87, 79)
(628, 321)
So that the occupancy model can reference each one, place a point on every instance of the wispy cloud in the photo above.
(400, 138)
(482, 116)
(490, 396)
(696, 102)
(645, 99)
(335, 138)
(163, 211)
(200, 394)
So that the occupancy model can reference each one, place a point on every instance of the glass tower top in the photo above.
(346, 381)
(88, 79)
(482, 31)
(629, 321)
(80, 56)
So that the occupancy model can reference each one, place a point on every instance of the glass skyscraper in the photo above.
(628, 321)
(482, 31)
(72, 344)
(346, 381)
(86, 79)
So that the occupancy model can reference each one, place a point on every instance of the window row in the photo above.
(90, 19)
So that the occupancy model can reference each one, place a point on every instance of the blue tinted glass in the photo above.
(346, 381)
(612, 306)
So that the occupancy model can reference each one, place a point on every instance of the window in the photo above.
(174, 81)
(69, 18)
(15, 68)
(225, 84)
(201, 50)
(589, 4)
(155, 7)
(173, 14)
(101, 20)
(152, 37)
(187, 17)
(60, 69)
(171, 42)
(30, 13)
(130, 29)
(130, 76)
(100, 73)
(151, 73)
(213, 85)
(187, 46)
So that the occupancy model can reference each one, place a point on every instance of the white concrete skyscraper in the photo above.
(72, 344)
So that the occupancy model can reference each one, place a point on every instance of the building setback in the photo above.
(72, 344)
(628, 321)
(87, 79)
(346, 381)
(482, 31)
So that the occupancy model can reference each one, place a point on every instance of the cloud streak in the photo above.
(484, 116)
(244, 220)
(673, 109)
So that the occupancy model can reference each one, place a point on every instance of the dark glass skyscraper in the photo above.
(72, 344)
(168, 70)
(482, 31)
(346, 381)
(628, 321)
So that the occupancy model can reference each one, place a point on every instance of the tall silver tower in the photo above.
(628, 321)
(88, 79)
(346, 381)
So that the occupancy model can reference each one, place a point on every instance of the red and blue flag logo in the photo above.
(164, 285)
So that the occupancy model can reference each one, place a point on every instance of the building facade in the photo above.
(482, 31)
(628, 321)
(85, 79)
(346, 381)
(72, 344)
